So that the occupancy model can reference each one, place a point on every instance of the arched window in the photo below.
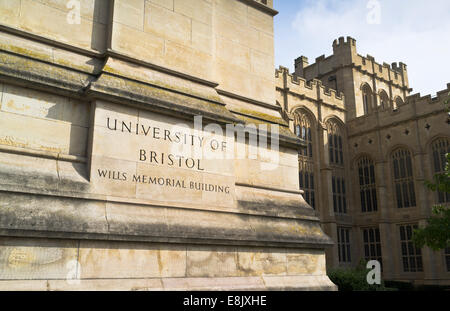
(335, 144)
(367, 98)
(336, 157)
(440, 148)
(384, 100)
(306, 180)
(303, 131)
(339, 194)
(397, 103)
(367, 186)
(403, 178)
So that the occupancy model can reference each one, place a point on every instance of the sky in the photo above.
(415, 32)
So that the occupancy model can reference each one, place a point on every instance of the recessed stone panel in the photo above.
(160, 158)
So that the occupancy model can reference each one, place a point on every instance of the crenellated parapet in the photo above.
(396, 74)
(416, 107)
(345, 55)
(428, 99)
(312, 90)
(428, 103)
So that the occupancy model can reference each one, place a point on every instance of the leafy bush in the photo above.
(354, 279)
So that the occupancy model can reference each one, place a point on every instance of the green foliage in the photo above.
(354, 279)
(442, 181)
(436, 234)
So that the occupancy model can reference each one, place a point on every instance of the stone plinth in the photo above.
(123, 167)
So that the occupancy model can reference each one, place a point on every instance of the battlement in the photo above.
(312, 89)
(415, 106)
(398, 66)
(396, 73)
(429, 99)
(341, 42)
(345, 54)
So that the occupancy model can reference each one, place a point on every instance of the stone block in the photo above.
(306, 262)
(214, 284)
(141, 45)
(112, 260)
(168, 4)
(235, 9)
(106, 285)
(205, 261)
(198, 10)
(10, 12)
(233, 53)
(257, 262)
(167, 24)
(24, 285)
(33, 103)
(261, 63)
(260, 20)
(130, 13)
(202, 37)
(297, 283)
(28, 171)
(33, 133)
(229, 28)
(188, 60)
(88, 8)
(35, 259)
(53, 23)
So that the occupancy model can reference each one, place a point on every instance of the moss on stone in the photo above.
(260, 115)
(25, 52)
(164, 85)
(162, 98)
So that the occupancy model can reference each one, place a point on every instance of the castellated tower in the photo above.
(367, 85)
(370, 146)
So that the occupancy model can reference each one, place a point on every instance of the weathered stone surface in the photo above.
(101, 184)
(25, 259)
(110, 260)
(99, 265)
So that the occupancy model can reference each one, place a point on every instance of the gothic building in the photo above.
(370, 147)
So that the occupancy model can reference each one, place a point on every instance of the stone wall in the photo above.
(98, 187)
(413, 123)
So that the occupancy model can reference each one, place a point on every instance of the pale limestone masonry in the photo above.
(100, 185)
(394, 119)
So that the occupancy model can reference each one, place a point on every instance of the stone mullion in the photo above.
(389, 254)
(421, 196)
(381, 185)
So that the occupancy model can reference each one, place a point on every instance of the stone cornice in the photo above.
(260, 7)
(248, 100)
(19, 69)
(74, 218)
